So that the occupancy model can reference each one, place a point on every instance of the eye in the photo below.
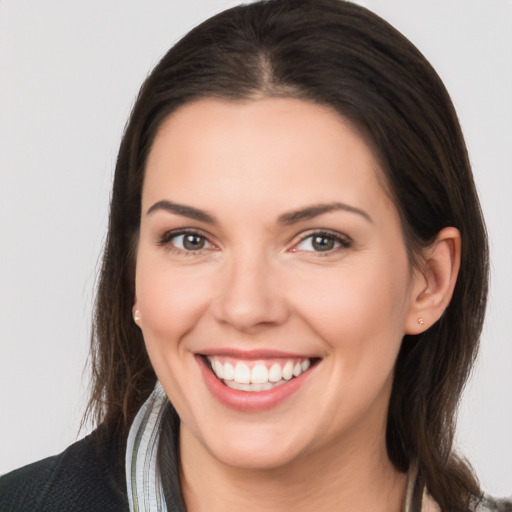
(322, 242)
(186, 241)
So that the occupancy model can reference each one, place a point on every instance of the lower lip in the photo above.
(250, 401)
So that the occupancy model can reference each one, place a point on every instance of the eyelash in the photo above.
(166, 241)
(343, 241)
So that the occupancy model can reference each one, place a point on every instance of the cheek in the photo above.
(170, 300)
(359, 309)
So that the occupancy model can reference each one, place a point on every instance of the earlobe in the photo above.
(136, 315)
(135, 311)
(435, 282)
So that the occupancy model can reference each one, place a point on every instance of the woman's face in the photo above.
(270, 252)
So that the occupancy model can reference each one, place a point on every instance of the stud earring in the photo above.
(420, 321)
(136, 316)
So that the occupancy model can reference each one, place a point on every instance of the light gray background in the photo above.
(69, 72)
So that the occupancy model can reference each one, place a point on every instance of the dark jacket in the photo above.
(87, 477)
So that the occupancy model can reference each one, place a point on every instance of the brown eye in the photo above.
(323, 243)
(193, 242)
(185, 241)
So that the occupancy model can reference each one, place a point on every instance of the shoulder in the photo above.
(87, 476)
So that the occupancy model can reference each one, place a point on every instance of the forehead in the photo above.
(277, 149)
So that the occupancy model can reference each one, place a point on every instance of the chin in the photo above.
(255, 447)
(251, 457)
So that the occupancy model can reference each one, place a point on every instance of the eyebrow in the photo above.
(183, 210)
(302, 214)
(310, 212)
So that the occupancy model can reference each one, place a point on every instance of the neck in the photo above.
(351, 476)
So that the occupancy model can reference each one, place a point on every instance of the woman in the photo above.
(297, 259)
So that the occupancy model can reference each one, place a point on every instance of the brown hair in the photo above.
(338, 54)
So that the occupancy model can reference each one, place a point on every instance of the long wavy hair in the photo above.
(338, 54)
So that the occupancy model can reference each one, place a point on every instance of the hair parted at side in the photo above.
(341, 55)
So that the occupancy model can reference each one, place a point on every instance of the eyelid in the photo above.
(165, 239)
(344, 241)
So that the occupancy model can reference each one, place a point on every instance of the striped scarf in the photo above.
(143, 479)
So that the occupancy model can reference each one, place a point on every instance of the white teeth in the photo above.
(260, 377)
(218, 368)
(229, 372)
(275, 373)
(288, 371)
(259, 374)
(242, 374)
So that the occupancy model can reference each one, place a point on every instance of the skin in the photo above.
(259, 283)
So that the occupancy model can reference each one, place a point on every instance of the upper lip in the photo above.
(254, 353)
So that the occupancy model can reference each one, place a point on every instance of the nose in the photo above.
(251, 295)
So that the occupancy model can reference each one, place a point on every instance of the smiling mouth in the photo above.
(260, 375)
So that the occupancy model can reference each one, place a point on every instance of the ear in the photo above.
(434, 282)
